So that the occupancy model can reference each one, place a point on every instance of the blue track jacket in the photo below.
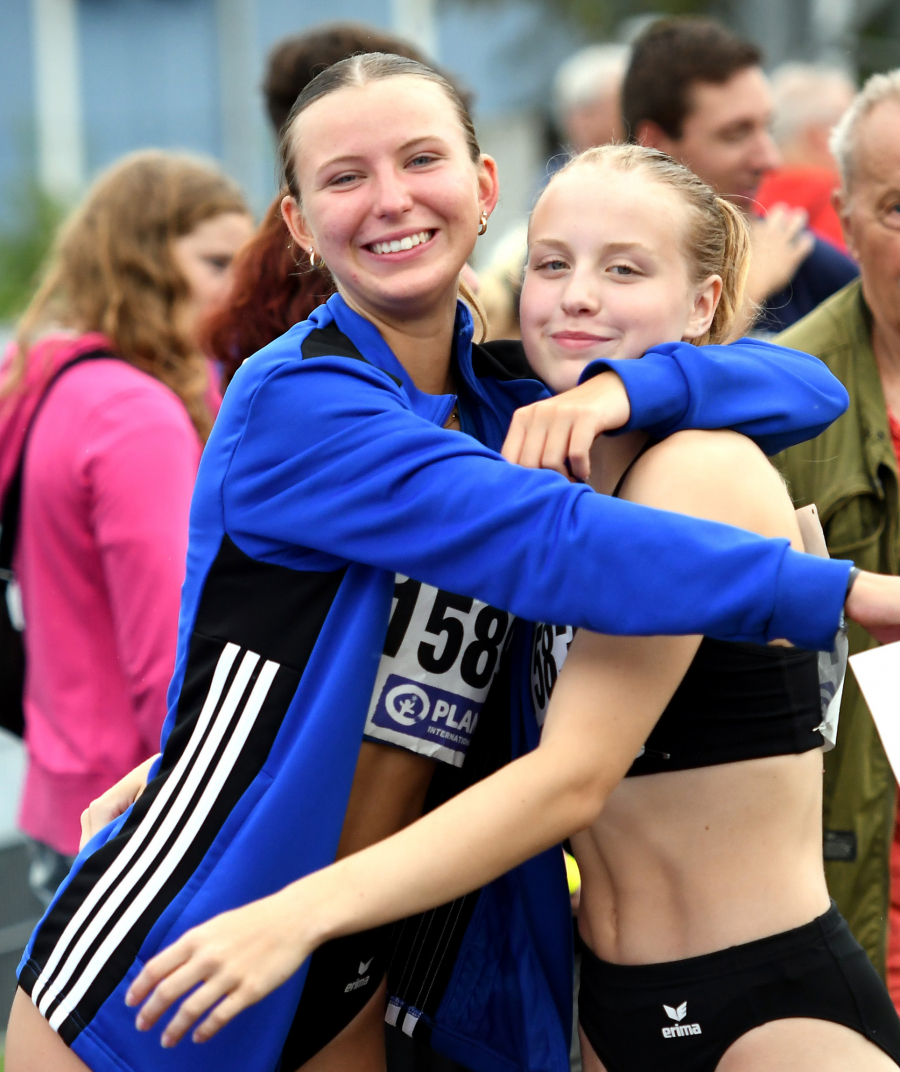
(327, 474)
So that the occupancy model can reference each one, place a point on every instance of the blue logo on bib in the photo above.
(427, 713)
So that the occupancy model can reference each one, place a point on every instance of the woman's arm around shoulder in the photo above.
(720, 476)
(775, 395)
(741, 488)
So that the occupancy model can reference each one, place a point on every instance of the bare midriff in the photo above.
(689, 862)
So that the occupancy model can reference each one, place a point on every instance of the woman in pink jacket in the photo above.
(110, 463)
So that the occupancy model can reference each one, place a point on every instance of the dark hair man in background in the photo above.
(698, 93)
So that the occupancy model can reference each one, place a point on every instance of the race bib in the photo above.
(548, 653)
(440, 656)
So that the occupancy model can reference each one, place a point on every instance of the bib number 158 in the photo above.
(447, 622)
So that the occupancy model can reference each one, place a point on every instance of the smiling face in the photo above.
(391, 198)
(607, 276)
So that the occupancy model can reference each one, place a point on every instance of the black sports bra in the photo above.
(736, 701)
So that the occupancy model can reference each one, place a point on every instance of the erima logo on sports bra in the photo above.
(680, 1029)
(357, 983)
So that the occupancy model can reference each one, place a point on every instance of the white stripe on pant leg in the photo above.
(431, 970)
(156, 845)
(220, 675)
(198, 816)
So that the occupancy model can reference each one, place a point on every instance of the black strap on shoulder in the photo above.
(12, 502)
(650, 443)
(504, 359)
(330, 341)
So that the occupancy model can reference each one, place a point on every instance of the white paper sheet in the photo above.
(878, 674)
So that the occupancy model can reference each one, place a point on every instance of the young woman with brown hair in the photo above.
(107, 383)
(353, 568)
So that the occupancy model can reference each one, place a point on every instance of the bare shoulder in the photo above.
(720, 475)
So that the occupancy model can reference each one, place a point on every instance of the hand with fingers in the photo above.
(549, 433)
(114, 801)
(874, 603)
(238, 958)
(780, 244)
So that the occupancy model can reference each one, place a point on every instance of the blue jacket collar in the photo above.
(367, 338)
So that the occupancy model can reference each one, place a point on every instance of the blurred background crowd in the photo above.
(139, 235)
(84, 81)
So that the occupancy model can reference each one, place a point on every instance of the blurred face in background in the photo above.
(725, 136)
(204, 257)
(870, 211)
(596, 122)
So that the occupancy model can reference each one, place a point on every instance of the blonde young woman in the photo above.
(353, 568)
(107, 383)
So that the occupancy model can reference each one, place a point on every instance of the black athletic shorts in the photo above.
(682, 1016)
(343, 975)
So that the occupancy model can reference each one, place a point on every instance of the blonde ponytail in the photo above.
(733, 272)
(479, 316)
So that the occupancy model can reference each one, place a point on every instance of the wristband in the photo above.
(855, 571)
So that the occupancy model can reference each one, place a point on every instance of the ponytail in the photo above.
(479, 316)
(733, 272)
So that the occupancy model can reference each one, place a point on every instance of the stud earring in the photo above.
(483, 228)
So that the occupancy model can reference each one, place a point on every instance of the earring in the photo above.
(312, 259)
(483, 228)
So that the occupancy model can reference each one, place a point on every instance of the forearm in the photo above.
(242, 955)
(772, 394)
(387, 489)
(477, 836)
(874, 602)
(524, 808)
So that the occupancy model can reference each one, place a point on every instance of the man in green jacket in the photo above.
(850, 472)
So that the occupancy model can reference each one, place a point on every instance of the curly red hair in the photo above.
(273, 287)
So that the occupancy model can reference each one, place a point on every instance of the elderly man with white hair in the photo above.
(587, 94)
(808, 100)
(850, 473)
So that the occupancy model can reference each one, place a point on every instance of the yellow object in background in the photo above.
(572, 874)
